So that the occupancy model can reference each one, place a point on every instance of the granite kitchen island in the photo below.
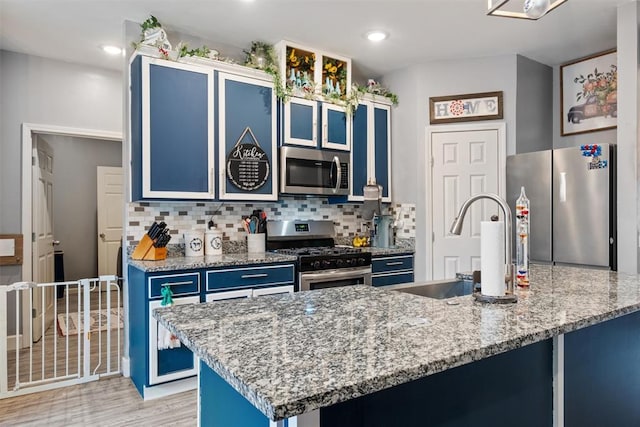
(568, 353)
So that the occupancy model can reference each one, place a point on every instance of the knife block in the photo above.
(143, 247)
(156, 254)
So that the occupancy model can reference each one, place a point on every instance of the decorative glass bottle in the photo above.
(522, 239)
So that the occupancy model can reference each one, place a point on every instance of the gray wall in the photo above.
(46, 92)
(75, 209)
(410, 121)
(534, 106)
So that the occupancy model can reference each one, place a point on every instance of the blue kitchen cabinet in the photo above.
(247, 118)
(371, 152)
(159, 372)
(300, 122)
(249, 281)
(392, 269)
(172, 150)
(336, 127)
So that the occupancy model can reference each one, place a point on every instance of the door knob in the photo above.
(55, 243)
(102, 235)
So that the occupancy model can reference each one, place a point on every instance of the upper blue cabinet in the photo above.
(247, 138)
(301, 122)
(172, 149)
(371, 152)
(336, 127)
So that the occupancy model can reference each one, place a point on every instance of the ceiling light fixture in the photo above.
(376, 35)
(111, 50)
(529, 9)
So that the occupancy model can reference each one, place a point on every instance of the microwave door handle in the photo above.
(336, 160)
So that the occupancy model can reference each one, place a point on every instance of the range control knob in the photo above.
(350, 261)
(326, 263)
(315, 264)
(362, 261)
(340, 262)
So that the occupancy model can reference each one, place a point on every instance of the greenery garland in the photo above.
(263, 56)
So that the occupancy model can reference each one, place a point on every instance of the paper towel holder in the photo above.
(456, 228)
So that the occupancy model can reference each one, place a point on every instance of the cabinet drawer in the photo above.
(181, 284)
(393, 263)
(392, 278)
(250, 277)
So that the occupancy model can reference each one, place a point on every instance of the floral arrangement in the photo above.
(375, 88)
(300, 68)
(602, 85)
(334, 77)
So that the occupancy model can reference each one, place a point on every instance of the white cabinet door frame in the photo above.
(147, 192)
(326, 107)
(154, 378)
(288, 139)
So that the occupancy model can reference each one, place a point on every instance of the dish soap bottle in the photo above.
(522, 239)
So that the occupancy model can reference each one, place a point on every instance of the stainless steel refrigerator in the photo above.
(572, 192)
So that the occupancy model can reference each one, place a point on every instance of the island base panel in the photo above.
(509, 389)
(602, 374)
(222, 406)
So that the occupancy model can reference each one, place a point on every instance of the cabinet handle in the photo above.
(253, 276)
(395, 263)
(176, 283)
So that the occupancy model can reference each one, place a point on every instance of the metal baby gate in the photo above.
(71, 334)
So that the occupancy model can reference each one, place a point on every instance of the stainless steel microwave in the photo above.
(315, 172)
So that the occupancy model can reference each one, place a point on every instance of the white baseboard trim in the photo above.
(11, 342)
(125, 362)
(174, 387)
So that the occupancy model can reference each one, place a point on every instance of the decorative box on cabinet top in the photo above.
(308, 72)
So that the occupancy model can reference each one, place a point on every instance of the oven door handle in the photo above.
(336, 161)
(334, 274)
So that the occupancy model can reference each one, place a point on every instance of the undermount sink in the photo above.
(438, 289)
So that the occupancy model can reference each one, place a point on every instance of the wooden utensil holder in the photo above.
(156, 254)
(143, 247)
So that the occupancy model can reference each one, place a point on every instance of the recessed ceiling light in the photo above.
(376, 35)
(111, 50)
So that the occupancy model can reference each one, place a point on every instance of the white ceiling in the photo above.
(420, 31)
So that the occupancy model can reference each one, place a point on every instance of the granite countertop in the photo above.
(211, 261)
(290, 354)
(375, 252)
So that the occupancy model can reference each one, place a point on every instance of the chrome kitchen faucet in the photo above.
(456, 228)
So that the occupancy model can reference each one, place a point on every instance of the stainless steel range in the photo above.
(320, 263)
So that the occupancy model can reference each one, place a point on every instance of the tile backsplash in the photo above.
(184, 216)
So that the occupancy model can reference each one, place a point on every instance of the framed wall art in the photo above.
(465, 108)
(588, 94)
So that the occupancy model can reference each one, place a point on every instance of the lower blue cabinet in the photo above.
(392, 269)
(172, 363)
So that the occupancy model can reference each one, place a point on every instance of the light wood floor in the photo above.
(107, 402)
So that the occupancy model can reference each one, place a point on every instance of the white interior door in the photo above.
(465, 163)
(110, 201)
(42, 254)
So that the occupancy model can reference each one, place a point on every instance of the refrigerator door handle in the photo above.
(563, 186)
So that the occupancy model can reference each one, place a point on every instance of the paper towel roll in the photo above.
(492, 258)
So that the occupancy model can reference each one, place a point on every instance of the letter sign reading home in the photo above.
(247, 163)
(462, 108)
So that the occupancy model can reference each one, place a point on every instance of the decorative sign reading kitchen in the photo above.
(247, 163)
(465, 108)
